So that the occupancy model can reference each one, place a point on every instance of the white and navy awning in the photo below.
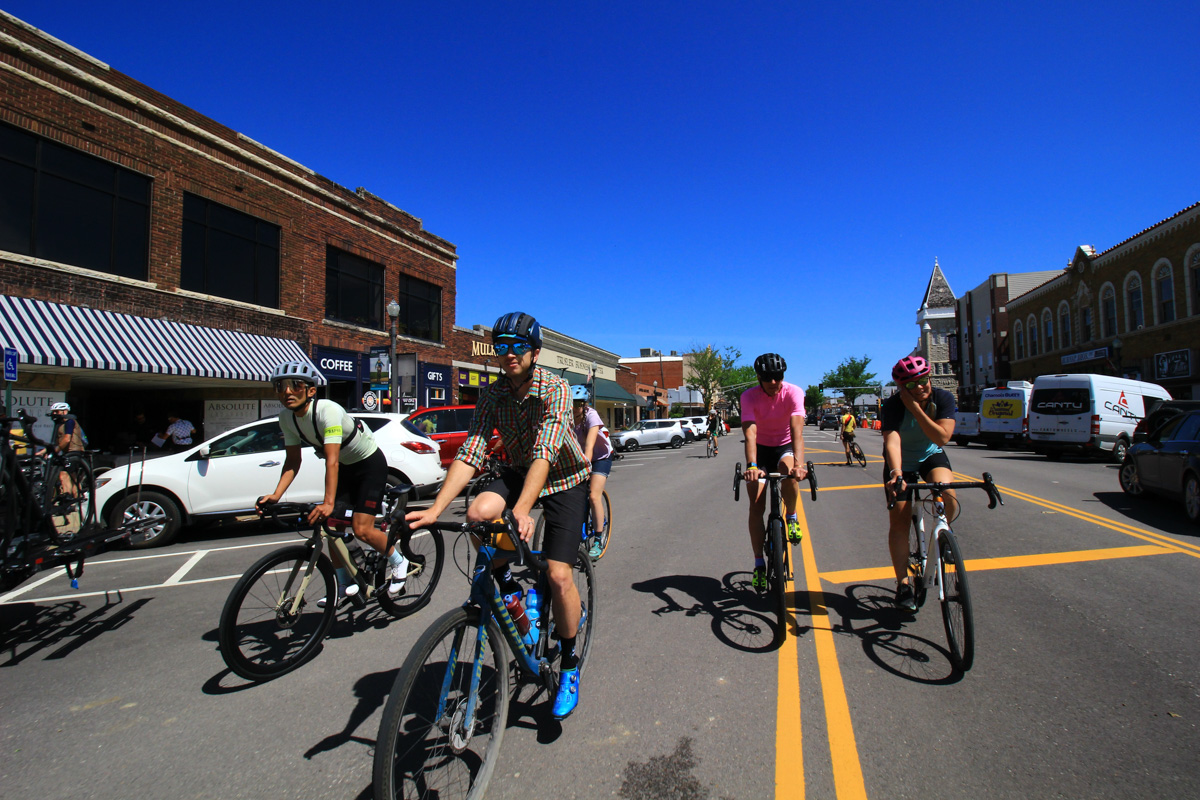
(55, 335)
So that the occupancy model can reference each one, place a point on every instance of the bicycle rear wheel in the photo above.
(585, 584)
(426, 553)
(858, 454)
(956, 604)
(259, 635)
(67, 499)
(777, 576)
(708, 450)
(424, 748)
(603, 538)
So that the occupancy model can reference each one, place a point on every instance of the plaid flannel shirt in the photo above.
(537, 425)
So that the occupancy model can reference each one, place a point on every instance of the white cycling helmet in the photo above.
(57, 407)
(302, 370)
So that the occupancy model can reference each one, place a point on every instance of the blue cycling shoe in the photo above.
(568, 693)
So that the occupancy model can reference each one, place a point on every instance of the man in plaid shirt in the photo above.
(531, 407)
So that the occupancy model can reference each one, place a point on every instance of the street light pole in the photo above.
(393, 310)
(654, 415)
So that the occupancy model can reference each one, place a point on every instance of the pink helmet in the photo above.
(909, 367)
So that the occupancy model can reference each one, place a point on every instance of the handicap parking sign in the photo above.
(10, 364)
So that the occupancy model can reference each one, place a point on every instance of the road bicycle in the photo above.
(444, 720)
(491, 470)
(47, 508)
(776, 553)
(587, 534)
(857, 453)
(273, 620)
(935, 562)
(711, 448)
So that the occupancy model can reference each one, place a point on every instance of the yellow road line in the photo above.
(1009, 562)
(789, 733)
(843, 749)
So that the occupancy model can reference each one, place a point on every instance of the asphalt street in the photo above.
(1084, 682)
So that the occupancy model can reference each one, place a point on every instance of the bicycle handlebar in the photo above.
(27, 436)
(486, 531)
(987, 484)
(738, 478)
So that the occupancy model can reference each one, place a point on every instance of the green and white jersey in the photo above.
(328, 423)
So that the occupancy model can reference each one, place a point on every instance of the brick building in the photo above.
(152, 258)
(936, 320)
(653, 374)
(1132, 310)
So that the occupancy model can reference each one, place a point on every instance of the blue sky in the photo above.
(771, 176)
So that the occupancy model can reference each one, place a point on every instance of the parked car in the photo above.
(828, 421)
(1158, 412)
(690, 434)
(811, 416)
(447, 425)
(700, 424)
(226, 475)
(661, 432)
(1168, 464)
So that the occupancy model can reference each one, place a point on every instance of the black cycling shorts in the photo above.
(924, 469)
(847, 436)
(565, 513)
(769, 456)
(361, 484)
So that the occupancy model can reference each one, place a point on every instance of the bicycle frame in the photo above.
(931, 556)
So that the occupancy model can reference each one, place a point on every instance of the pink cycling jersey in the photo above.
(773, 415)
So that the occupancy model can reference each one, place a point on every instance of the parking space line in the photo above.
(121, 591)
(182, 571)
(181, 553)
(18, 592)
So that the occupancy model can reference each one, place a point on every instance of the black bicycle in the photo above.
(775, 550)
(490, 471)
(857, 453)
(281, 609)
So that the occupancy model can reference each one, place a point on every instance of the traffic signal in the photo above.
(820, 387)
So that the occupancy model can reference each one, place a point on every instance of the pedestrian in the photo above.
(179, 432)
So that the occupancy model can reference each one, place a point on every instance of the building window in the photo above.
(990, 362)
(63, 205)
(1133, 302)
(229, 254)
(420, 309)
(987, 324)
(1166, 294)
(1194, 276)
(1048, 329)
(1031, 326)
(353, 289)
(1108, 312)
(1064, 325)
(978, 327)
(1020, 336)
(1085, 324)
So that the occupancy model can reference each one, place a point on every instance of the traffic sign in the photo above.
(10, 364)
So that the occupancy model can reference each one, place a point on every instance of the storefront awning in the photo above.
(606, 390)
(55, 335)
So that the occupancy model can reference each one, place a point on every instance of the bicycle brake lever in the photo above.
(993, 493)
(812, 479)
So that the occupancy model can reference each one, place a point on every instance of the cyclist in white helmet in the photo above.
(355, 467)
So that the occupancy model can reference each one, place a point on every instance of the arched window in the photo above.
(1192, 262)
(1164, 294)
(1064, 324)
(1135, 318)
(1108, 311)
(1085, 324)
(1032, 333)
(1047, 329)
(1019, 336)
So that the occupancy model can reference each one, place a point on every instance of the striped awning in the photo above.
(51, 334)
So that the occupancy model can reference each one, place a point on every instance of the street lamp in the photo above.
(655, 414)
(393, 309)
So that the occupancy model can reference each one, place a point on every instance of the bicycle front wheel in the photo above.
(956, 604)
(777, 576)
(426, 553)
(271, 623)
(426, 747)
(67, 499)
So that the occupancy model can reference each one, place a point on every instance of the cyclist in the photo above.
(847, 423)
(531, 407)
(597, 449)
(773, 422)
(355, 467)
(68, 436)
(918, 420)
(714, 428)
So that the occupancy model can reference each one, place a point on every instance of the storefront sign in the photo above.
(381, 366)
(226, 414)
(341, 365)
(470, 377)
(1090, 355)
(1174, 364)
(370, 401)
(269, 408)
(435, 374)
(481, 348)
(37, 404)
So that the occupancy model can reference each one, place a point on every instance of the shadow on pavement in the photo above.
(747, 629)
(27, 629)
(372, 691)
(1152, 511)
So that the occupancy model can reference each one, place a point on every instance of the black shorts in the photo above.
(361, 484)
(769, 455)
(847, 436)
(565, 513)
(924, 469)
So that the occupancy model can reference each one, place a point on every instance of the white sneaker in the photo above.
(342, 593)
(397, 577)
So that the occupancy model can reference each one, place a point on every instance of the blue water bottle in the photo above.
(533, 610)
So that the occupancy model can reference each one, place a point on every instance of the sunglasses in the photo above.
(771, 376)
(518, 349)
(289, 385)
(918, 382)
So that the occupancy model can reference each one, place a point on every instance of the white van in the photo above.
(1004, 414)
(1089, 413)
(966, 427)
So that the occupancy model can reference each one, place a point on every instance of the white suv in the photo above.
(662, 432)
(701, 425)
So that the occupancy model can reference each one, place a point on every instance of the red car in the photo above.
(447, 425)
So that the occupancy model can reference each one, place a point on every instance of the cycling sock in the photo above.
(792, 518)
(759, 563)
(504, 578)
(396, 559)
(569, 659)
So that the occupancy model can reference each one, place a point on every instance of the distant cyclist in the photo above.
(773, 422)
(918, 420)
(355, 468)
(598, 450)
(714, 430)
(847, 424)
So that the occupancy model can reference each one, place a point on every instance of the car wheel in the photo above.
(1128, 476)
(676, 442)
(161, 516)
(1120, 450)
(1191, 498)
(631, 445)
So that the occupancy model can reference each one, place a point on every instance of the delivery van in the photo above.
(1004, 414)
(1093, 414)
(966, 427)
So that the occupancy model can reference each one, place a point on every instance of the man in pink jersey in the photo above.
(773, 422)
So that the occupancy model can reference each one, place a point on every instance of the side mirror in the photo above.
(203, 452)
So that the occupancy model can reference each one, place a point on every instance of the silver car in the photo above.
(661, 432)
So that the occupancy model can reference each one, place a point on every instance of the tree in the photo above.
(851, 372)
(709, 367)
(814, 399)
(736, 381)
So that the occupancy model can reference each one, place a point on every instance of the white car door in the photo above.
(245, 464)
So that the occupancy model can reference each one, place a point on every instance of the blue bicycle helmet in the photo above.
(579, 393)
(518, 324)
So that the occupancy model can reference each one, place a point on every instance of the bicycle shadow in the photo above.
(371, 691)
(868, 612)
(725, 601)
(59, 628)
